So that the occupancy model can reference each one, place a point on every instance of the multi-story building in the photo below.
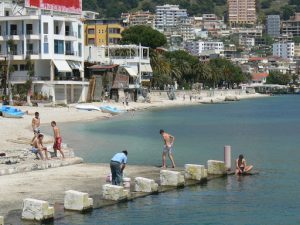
(247, 42)
(102, 32)
(138, 18)
(213, 24)
(273, 25)
(249, 32)
(168, 16)
(292, 26)
(186, 29)
(52, 42)
(241, 12)
(198, 47)
(284, 50)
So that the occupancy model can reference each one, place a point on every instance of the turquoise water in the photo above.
(265, 130)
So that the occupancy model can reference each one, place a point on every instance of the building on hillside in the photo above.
(168, 16)
(241, 12)
(200, 47)
(285, 50)
(213, 24)
(259, 78)
(249, 32)
(273, 25)
(292, 26)
(51, 43)
(135, 58)
(247, 42)
(89, 15)
(102, 32)
(297, 51)
(138, 18)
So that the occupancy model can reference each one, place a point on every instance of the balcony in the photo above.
(70, 52)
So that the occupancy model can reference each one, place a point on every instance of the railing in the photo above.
(32, 52)
(13, 32)
(70, 52)
(29, 32)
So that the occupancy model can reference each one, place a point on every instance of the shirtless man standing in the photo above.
(35, 125)
(168, 148)
(57, 139)
(38, 148)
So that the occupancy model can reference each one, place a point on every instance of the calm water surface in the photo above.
(265, 130)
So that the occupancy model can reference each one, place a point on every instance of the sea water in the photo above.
(266, 131)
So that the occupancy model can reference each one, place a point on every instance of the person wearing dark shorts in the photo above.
(117, 165)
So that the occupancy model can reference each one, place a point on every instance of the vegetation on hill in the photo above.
(114, 8)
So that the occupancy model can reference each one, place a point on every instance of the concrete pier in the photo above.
(215, 167)
(171, 178)
(114, 192)
(145, 185)
(194, 172)
(39, 210)
(77, 201)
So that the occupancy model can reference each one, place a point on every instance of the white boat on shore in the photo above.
(87, 107)
(110, 109)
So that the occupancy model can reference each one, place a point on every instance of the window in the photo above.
(114, 30)
(79, 49)
(13, 29)
(91, 31)
(46, 48)
(23, 67)
(58, 46)
(91, 41)
(29, 47)
(6, 13)
(79, 31)
(29, 29)
(15, 67)
(67, 30)
(45, 28)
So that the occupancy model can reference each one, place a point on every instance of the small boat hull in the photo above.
(110, 109)
(87, 107)
(11, 112)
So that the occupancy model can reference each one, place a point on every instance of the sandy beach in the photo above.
(15, 134)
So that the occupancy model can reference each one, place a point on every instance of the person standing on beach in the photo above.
(117, 166)
(57, 139)
(168, 148)
(35, 124)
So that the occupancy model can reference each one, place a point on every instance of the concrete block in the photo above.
(145, 185)
(34, 209)
(205, 173)
(79, 201)
(114, 192)
(171, 178)
(215, 167)
(193, 171)
(1, 220)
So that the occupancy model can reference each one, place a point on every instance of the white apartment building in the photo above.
(136, 60)
(168, 16)
(285, 50)
(53, 42)
(199, 47)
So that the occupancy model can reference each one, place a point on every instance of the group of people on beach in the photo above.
(119, 160)
(38, 147)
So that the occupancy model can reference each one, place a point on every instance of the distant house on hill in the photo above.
(259, 78)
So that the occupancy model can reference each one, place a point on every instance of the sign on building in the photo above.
(69, 6)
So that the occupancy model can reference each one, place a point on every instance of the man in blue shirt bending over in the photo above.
(117, 165)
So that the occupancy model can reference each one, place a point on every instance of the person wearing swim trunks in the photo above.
(57, 139)
(168, 148)
(38, 148)
(241, 166)
(35, 124)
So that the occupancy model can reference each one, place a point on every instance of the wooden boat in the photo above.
(11, 112)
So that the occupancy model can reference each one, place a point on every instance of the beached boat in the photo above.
(110, 109)
(11, 112)
(87, 107)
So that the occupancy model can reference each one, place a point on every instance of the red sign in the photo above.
(70, 6)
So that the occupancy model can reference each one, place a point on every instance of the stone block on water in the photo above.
(193, 171)
(171, 178)
(215, 167)
(145, 185)
(34, 209)
(114, 192)
(79, 201)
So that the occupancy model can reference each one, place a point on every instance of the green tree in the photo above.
(278, 78)
(143, 35)
(296, 39)
(287, 11)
